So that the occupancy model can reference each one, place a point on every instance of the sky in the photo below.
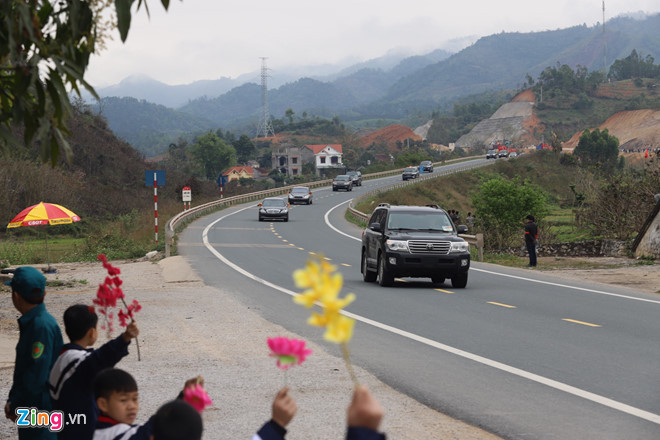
(209, 39)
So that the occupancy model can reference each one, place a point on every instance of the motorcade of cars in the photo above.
(414, 241)
(503, 153)
(491, 154)
(426, 166)
(410, 173)
(356, 177)
(342, 182)
(513, 154)
(274, 208)
(300, 194)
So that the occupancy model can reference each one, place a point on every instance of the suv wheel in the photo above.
(459, 281)
(367, 275)
(385, 278)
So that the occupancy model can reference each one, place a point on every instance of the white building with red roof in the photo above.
(327, 156)
(235, 173)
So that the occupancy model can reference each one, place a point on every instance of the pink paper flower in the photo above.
(196, 396)
(288, 352)
(109, 293)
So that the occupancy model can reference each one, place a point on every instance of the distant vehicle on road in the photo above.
(503, 153)
(491, 154)
(300, 194)
(513, 154)
(426, 166)
(342, 182)
(356, 177)
(274, 208)
(410, 173)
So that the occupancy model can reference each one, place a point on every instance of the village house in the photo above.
(235, 173)
(289, 158)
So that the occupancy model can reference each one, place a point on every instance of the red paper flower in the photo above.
(196, 396)
(288, 352)
(109, 293)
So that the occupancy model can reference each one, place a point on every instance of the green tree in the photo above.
(597, 149)
(634, 66)
(213, 154)
(502, 204)
(245, 149)
(44, 49)
(289, 115)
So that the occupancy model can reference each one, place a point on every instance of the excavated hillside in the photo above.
(514, 121)
(389, 136)
(635, 129)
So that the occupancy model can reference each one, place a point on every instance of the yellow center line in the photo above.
(286, 241)
(327, 259)
(344, 264)
(291, 244)
(312, 253)
(501, 305)
(301, 249)
(444, 291)
(588, 324)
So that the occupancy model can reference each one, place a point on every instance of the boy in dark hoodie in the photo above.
(73, 374)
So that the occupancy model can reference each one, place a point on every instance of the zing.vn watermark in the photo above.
(54, 420)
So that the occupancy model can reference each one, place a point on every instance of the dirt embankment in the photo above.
(635, 129)
(389, 136)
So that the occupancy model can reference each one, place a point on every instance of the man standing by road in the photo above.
(531, 238)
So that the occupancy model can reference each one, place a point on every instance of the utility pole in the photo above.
(264, 127)
(604, 44)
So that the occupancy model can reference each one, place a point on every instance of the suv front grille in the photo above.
(429, 247)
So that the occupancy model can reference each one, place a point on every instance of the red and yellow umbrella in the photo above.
(43, 214)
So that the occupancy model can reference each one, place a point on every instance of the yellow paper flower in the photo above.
(340, 330)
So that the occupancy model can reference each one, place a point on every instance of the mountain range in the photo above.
(390, 88)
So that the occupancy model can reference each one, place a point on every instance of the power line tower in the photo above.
(264, 127)
(604, 44)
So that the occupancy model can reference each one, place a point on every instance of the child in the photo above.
(284, 408)
(363, 417)
(116, 395)
(72, 375)
(177, 420)
(38, 346)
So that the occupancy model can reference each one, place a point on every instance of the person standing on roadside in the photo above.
(531, 239)
(38, 346)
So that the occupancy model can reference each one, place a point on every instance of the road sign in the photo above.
(149, 178)
(186, 194)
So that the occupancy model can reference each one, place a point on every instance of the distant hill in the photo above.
(149, 127)
(422, 84)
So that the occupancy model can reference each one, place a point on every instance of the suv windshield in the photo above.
(342, 178)
(421, 221)
(300, 190)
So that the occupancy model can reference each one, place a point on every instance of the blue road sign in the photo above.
(149, 178)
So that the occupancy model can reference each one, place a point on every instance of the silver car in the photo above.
(300, 194)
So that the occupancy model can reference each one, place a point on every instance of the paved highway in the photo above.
(518, 353)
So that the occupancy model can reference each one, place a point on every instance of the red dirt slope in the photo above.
(389, 136)
(636, 129)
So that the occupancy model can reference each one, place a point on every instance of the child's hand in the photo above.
(199, 380)
(10, 415)
(364, 411)
(284, 407)
(132, 331)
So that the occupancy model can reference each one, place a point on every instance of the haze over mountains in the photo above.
(391, 87)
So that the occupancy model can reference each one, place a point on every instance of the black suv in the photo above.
(427, 166)
(414, 241)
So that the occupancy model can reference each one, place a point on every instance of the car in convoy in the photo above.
(491, 154)
(414, 241)
(274, 208)
(513, 154)
(300, 194)
(356, 177)
(426, 166)
(503, 153)
(342, 182)
(410, 173)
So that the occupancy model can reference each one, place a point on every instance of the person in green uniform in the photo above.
(38, 347)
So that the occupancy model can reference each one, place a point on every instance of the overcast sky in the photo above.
(209, 39)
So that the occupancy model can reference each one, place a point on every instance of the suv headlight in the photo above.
(397, 245)
(459, 246)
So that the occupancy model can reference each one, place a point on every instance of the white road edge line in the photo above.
(654, 418)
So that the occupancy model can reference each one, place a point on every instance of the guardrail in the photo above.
(182, 218)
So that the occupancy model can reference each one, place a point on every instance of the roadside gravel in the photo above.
(188, 328)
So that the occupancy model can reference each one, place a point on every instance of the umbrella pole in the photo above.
(47, 253)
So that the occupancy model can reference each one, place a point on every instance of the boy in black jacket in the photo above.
(72, 375)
